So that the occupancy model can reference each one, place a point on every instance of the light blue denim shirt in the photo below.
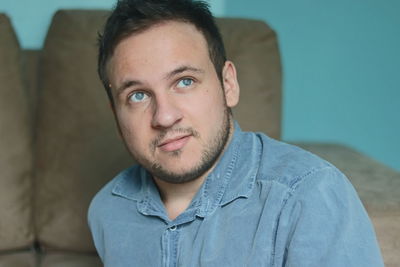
(266, 203)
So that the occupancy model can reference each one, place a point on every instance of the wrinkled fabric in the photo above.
(266, 203)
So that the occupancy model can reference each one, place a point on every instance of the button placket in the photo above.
(170, 241)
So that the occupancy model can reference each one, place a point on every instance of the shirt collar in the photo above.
(232, 178)
(238, 166)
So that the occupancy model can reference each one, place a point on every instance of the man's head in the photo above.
(134, 16)
(170, 101)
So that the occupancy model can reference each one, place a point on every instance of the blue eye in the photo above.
(185, 83)
(138, 97)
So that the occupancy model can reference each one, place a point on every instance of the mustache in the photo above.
(189, 131)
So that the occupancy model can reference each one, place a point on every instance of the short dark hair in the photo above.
(134, 16)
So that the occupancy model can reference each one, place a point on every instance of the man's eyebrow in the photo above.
(127, 84)
(182, 69)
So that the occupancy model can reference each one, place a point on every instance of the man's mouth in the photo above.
(174, 143)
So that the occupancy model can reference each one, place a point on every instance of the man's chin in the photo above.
(177, 176)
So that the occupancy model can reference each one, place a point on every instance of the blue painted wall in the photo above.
(341, 62)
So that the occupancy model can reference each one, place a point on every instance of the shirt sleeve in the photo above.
(323, 223)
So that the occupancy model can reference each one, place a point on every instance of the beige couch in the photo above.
(59, 144)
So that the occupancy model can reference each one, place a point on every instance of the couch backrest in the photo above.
(15, 146)
(77, 146)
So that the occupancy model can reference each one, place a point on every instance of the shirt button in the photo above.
(173, 228)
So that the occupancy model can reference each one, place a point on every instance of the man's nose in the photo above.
(166, 112)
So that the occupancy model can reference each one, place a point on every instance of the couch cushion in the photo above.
(63, 259)
(378, 187)
(15, 144)
(77, 148)
(252, 45)
(30, 62)
(18, 259)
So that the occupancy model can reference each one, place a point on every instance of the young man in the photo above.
(206, 193)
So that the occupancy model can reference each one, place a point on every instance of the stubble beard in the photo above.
(209, 155)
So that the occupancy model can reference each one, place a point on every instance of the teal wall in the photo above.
(341, 64)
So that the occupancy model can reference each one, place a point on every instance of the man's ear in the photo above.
(230, 83)
(112, 107)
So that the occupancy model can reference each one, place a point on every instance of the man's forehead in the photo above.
(166, 28)
(169, 40)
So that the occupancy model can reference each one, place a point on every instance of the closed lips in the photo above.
(174, 144)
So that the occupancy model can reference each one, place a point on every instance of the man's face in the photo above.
(170, 106)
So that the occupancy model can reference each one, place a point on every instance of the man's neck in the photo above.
(177, 197)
